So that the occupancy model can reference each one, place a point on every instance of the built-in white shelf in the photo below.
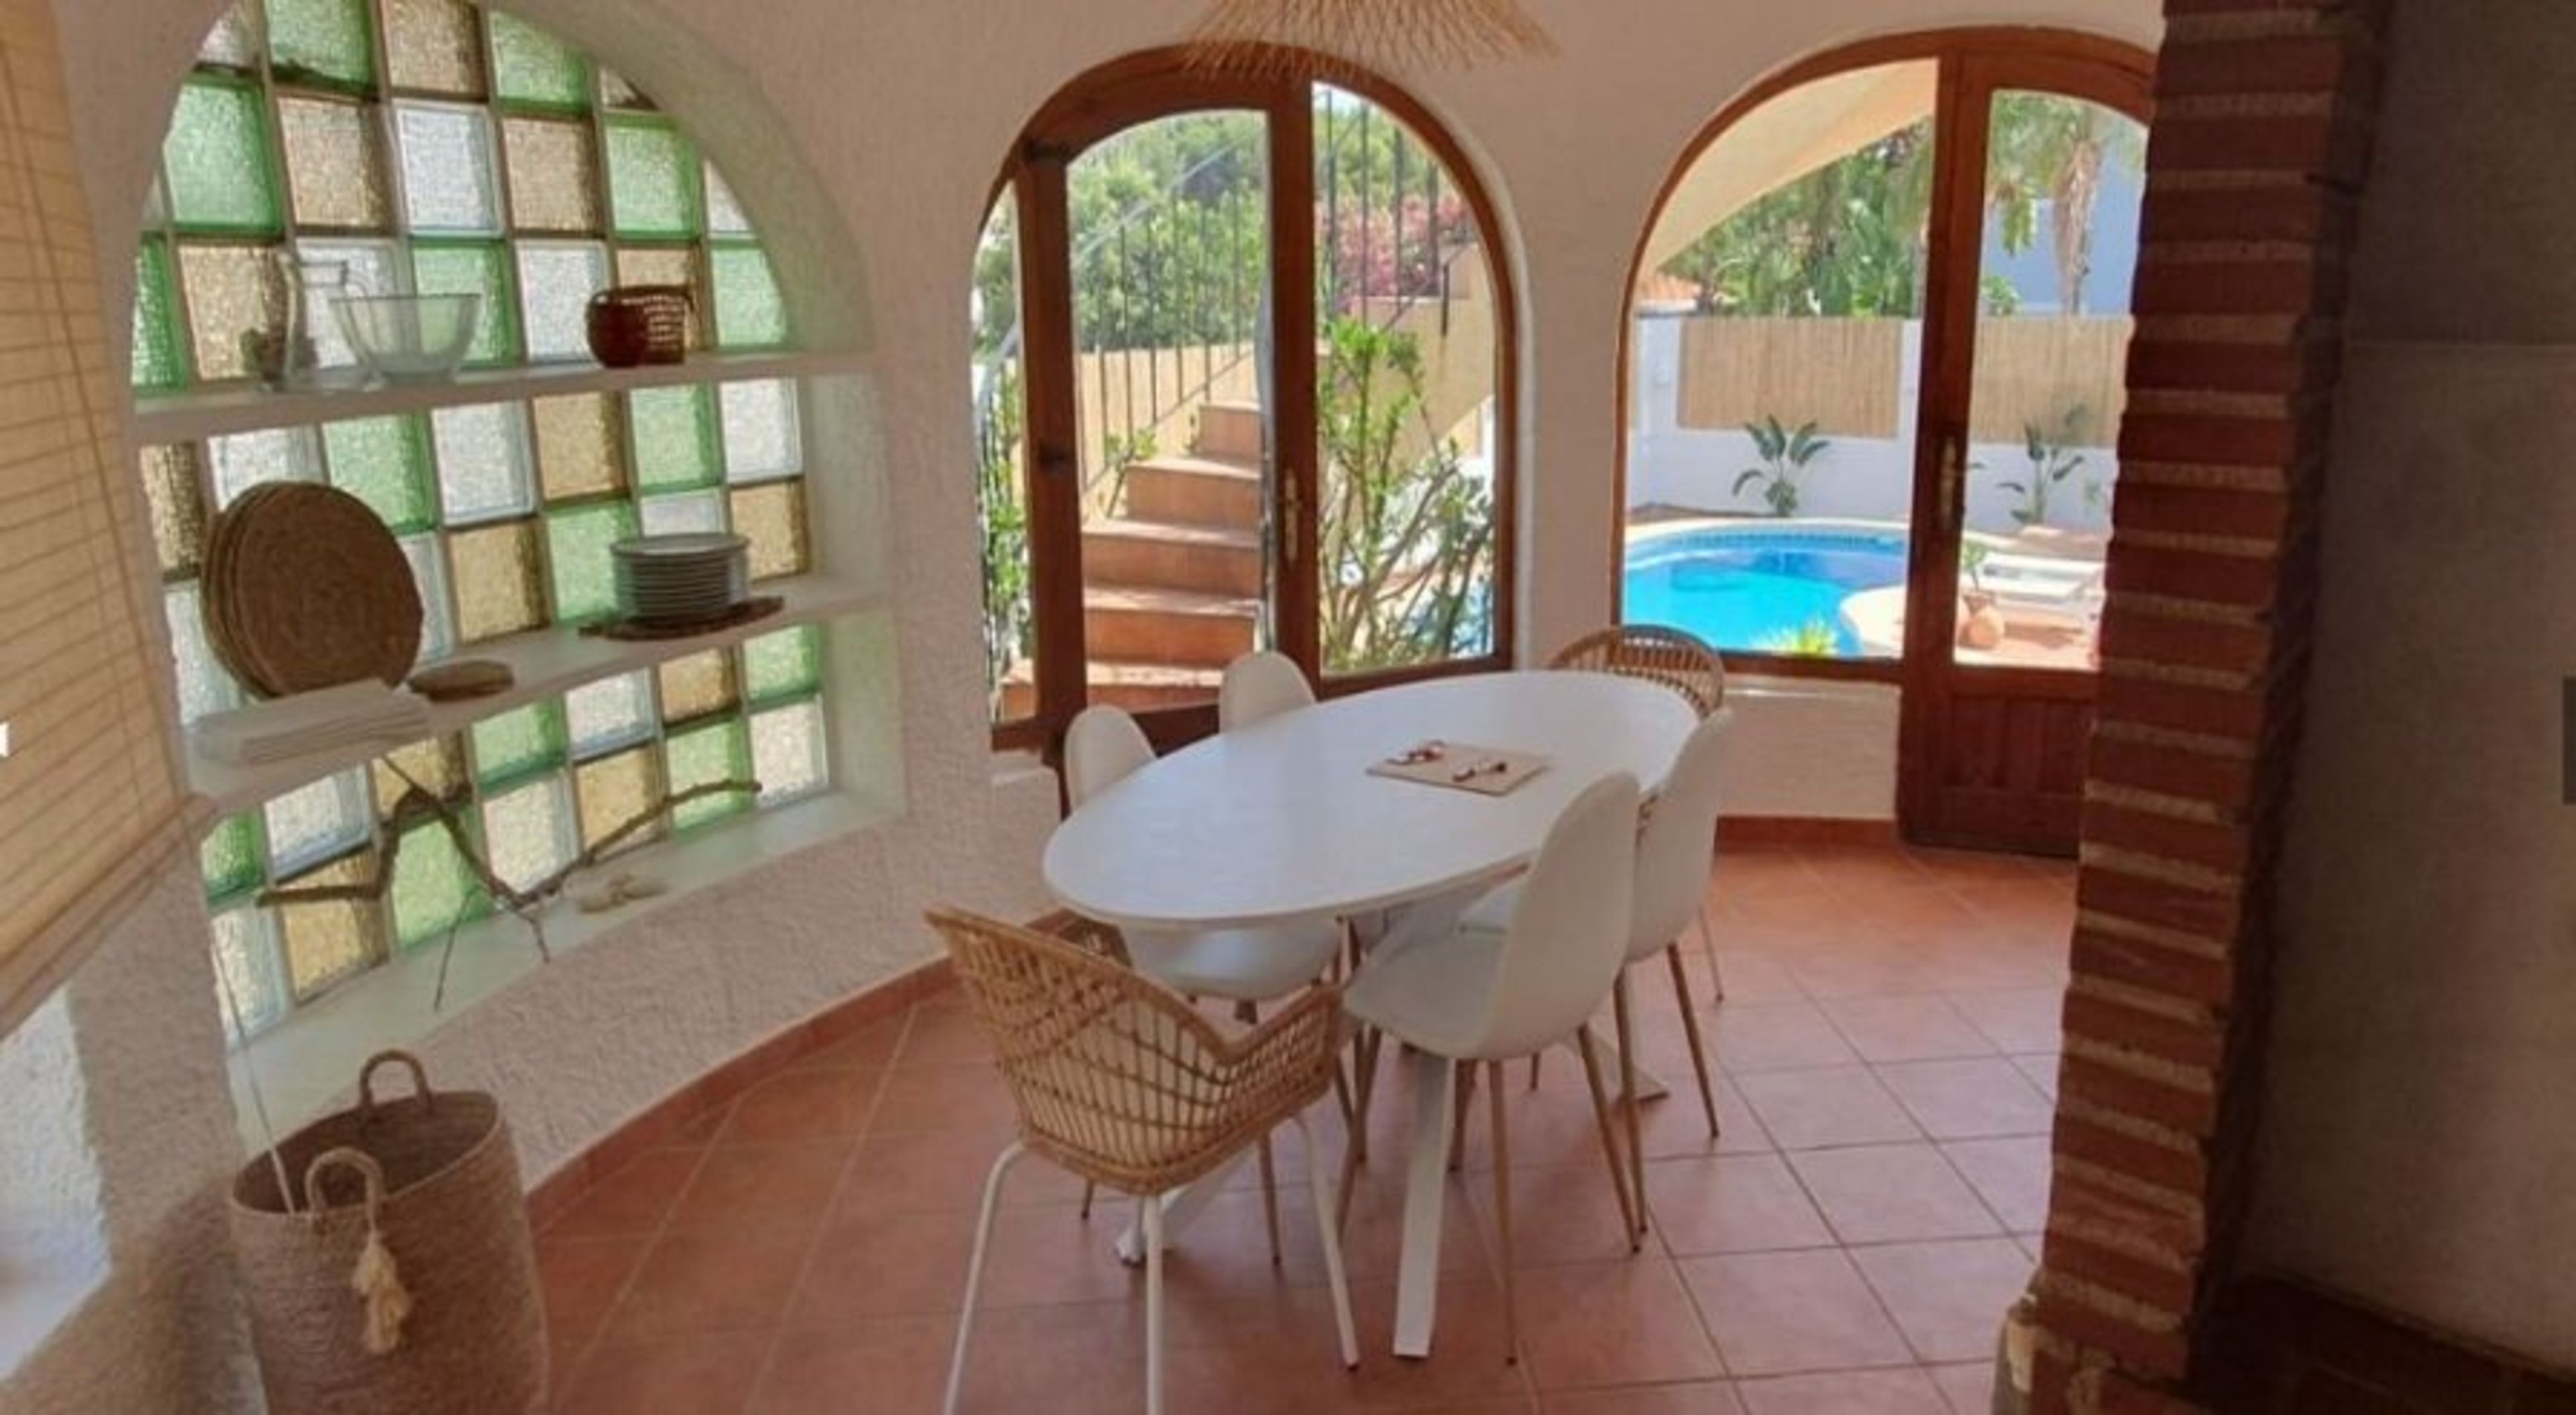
(545, 663)
(185, 417)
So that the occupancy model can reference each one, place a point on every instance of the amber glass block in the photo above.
(434, 889)
(581, 445)
(222, 176)
(556, 281)
(615, 790)
(787, 752)
(773, 516)
(384, 462)
(652, 178)
(697, 685)
(750, 314)
(160, 361)
(329, 943)
(533, 68)
(231, 291)
(554, 175)
(494, 572)
(321, 42)
(231, 859)
(675, 437)
(447, 168)
(437, 764)
(173, 487)
(474, 268)
(697, 756)
(577, 542)
(335, 164)
(516, 743)
(529, 832)
(483, 461)
(433, 46)
(668, 265)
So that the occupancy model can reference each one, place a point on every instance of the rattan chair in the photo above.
(1682, 662)
(1122, 1082)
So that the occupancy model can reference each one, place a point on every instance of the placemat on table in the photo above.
(1462, 766)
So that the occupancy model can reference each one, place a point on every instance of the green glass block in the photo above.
(478, 268)
(434, 46)
(518, 742)
(554, 175)
(329, 943)
(223, 178)
(384, 462)
(532, 67)
(335, 164)
(787, 752)
(750, 314)
(160, 358)
(250, 978)
(717, 751)
(675, 437)
(787, 664)
(232, 859)
(173, 487)
(320, 42)
(528, 833)
(652, 178)
(234, 42)
(577, 543)
(433, 888)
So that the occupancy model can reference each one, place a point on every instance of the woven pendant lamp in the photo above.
(1317, 38)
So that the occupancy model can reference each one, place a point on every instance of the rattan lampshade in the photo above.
(1316, 38)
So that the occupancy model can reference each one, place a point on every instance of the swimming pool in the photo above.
(1752, 586)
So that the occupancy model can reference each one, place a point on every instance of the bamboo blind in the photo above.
(1846, 374)
(90, 800)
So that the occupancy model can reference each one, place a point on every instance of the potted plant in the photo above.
(1981, 621)
(1785, 453)
(2051, 462)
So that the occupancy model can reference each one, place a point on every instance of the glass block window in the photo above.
(434, 146)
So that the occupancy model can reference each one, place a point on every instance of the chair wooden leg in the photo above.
(1154, 1305)
(1354, 1150)
(1628, 1101)
(1503, 1211)
(1601, 1124)
(1534, 1056)
(975, 1273)
(1466, 1100)
(1087, 1187)
(1327, 1230)
(1690, 1029)
(1708, 945)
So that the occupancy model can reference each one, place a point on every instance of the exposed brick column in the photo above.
(2261, 138)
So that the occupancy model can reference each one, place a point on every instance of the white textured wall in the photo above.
(864, 135)
(2418, 1138)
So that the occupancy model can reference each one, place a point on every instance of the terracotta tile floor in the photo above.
(1885, 1050)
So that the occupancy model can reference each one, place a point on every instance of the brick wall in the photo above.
(2261, 138)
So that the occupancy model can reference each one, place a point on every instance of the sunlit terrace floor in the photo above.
(1887, 1048)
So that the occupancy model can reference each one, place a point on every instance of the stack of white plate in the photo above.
(680, 578)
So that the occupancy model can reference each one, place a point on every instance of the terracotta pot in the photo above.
(1981, 624)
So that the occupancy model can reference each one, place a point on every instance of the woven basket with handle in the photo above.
(400, 1275)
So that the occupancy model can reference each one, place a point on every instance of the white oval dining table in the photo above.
(1282, 821)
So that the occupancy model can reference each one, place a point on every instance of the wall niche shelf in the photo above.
(238, 408)
(545, 663)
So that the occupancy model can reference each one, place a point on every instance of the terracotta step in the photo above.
(1132, 624)
(1231, 430)
(1201, 559)
(1137, 687)
(1196, 491)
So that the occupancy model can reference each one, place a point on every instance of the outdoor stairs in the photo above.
(1172, 586)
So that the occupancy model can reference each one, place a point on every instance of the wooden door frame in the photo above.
(1139, 89)
(1933, 680)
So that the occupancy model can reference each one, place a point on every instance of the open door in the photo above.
(2038, 193)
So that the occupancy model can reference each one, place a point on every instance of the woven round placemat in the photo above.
(305, 588)
(748, 611)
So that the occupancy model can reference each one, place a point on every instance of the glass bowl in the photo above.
(410, 338)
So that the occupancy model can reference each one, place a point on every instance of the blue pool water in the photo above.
(1747, 587)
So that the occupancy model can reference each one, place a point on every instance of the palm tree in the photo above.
(2044, 147)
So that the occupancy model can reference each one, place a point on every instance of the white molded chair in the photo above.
(1260, 685)
(1247, 966)
(1124, 1083)
(1498, 988)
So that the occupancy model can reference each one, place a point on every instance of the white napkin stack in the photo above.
(349, 715)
